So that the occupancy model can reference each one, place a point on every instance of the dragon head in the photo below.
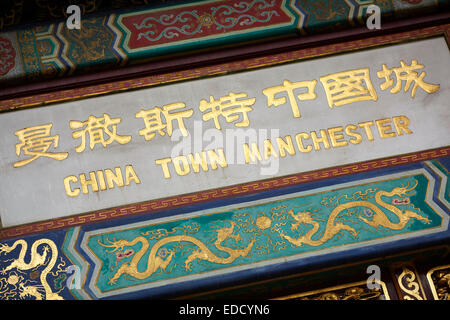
(5, 248)
(403, 190)
(46, 249)
(116, 245)
(301, 216)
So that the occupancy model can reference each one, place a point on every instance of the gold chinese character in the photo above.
(154, 122)
(229, 108)
(289, 87)
(406, 73)
(35, 141)
(96, 128)
(348, 86)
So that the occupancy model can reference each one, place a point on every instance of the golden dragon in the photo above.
(36, 260)
(156, 262)
(379, 219)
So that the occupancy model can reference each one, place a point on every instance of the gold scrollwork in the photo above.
(409, 284)
(11, 13)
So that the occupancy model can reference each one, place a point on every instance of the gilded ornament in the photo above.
(351, 291)
(378, 219)
(206, 20)
(13, 279)
(409, 285)
(263, 222)
(158, 259)
(36, 260)
(439, 281)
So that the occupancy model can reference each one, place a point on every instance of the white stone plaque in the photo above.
(101, 152)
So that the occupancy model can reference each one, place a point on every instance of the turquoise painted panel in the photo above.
(310, 223)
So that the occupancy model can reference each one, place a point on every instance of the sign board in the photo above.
(106, 151)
